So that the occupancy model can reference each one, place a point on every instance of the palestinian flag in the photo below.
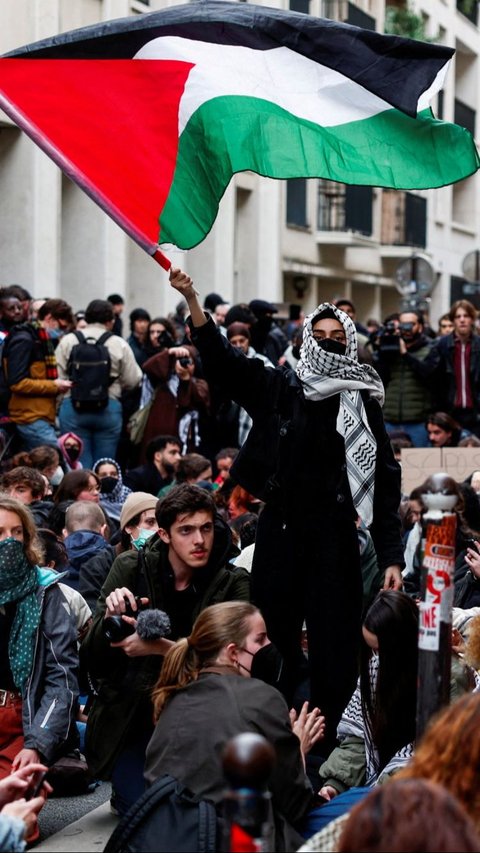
(152, 115)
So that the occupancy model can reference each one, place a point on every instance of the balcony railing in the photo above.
(345, 208)
(404, 219)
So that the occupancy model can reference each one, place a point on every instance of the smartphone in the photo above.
(472, 543)
(36, 785)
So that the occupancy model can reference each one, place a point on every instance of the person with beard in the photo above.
(181, 569)
(162, 454)
(407, 397)
(318, 455)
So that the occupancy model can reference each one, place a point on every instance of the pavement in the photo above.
(82, 824)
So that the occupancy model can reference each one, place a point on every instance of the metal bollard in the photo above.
(435, 628)
(248, 760)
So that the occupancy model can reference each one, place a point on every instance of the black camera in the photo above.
(388, 339)
(185, 361)
(165, 340)
(115, 628)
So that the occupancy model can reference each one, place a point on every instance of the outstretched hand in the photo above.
(308, 727)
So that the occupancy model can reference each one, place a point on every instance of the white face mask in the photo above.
(57, 476)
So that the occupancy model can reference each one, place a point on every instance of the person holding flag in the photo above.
(319, 457)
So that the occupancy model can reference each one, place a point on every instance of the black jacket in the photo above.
(125, 683)
(293, 456)
(145, 478)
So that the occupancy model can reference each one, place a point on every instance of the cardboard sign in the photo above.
(419, 463)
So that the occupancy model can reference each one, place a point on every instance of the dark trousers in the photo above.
(309, 571)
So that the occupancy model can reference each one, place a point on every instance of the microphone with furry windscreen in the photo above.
(153, 624)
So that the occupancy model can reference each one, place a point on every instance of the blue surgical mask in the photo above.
(55, 334)
(57, 476)
(143, 537)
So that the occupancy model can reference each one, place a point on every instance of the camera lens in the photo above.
(116, 629)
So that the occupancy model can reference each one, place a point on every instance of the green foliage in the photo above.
(404, 21)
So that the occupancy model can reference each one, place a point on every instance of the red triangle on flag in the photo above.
(75, 110)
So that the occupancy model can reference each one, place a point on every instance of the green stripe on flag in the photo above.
(235, 133)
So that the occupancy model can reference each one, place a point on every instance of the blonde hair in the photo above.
(215, 627)
(31, 543)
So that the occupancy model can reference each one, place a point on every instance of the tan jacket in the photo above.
(125, 370)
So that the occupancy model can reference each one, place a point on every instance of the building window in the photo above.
(297, 202)
(348, 13)
(440, 100)
(300, 6)
(344, 208)
(461, 289)
(464, 116)
(469, 8)
(359, 18)
(415, 220)
(404, 219)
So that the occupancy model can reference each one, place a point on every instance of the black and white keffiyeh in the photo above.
(324, 374)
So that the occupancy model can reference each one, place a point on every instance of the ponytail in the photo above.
(215, 627)
(180, 667)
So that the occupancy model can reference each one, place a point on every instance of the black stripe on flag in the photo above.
(378, 62)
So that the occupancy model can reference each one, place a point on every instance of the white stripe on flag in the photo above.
(299, 85)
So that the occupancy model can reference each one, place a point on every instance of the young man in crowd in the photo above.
(181, 570)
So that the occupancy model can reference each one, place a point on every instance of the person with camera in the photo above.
(407, 398)
(182, 569)
(180, 401)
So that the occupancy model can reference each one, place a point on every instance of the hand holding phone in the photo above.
(36, 785)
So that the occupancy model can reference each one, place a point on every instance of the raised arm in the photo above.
(184, 284)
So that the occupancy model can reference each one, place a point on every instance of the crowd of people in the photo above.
(203, 532)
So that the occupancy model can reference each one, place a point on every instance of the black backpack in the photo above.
(89, 368)
(167, 817)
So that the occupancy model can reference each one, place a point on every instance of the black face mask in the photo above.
(73, 453)
(267, 664)
(107, 484)
(334, 347)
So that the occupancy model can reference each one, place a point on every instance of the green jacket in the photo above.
(124, 684)
(407, 398)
